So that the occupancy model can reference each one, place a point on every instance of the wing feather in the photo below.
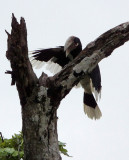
(56, 55)
(95, 76)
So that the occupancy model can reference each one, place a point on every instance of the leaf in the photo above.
(62, 149)
(61, 143)
(15, 154)
(14, 148)
(9, 150)
(21, 154)
(3, 153)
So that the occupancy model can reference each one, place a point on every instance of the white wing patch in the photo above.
(53, 67)
(37, 64)
(96, 93)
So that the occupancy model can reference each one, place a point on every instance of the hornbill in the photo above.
(60, 56)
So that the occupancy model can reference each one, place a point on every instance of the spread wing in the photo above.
(56, 55)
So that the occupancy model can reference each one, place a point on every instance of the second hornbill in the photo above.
(60, 56)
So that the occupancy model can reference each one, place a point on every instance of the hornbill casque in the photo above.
(60, 56)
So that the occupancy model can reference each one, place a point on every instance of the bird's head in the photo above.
(73, 44)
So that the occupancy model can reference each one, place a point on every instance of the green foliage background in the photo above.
(12, 149)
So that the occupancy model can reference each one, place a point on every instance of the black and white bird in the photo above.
(60, 56)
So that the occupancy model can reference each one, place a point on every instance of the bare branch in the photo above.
(94, 52)
(12, 76)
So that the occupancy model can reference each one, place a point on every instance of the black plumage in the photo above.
(56, 55)
(62, 55)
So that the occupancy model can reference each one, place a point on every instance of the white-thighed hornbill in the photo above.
(60, 56)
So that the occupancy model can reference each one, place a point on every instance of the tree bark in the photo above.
(39, 122)
(40, 98)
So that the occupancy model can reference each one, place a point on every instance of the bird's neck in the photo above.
(73, 54)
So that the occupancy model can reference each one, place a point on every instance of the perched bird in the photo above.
(60, 56)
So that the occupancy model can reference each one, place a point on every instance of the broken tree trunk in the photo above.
(40, 98)
(39, 124)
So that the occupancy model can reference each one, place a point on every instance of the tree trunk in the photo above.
(39, 128)
(39, 119)
(40, 98)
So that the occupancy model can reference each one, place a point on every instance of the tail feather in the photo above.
(93, 113)
(91, 108)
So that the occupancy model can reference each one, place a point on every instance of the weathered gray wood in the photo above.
(41, 97)
(94, 52)
(39, 124)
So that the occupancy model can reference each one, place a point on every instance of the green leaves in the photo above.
(12, 149)
(62, 149)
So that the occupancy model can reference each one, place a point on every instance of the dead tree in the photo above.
(40, 98)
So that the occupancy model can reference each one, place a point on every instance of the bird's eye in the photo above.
(76, 44)
(76, 41)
